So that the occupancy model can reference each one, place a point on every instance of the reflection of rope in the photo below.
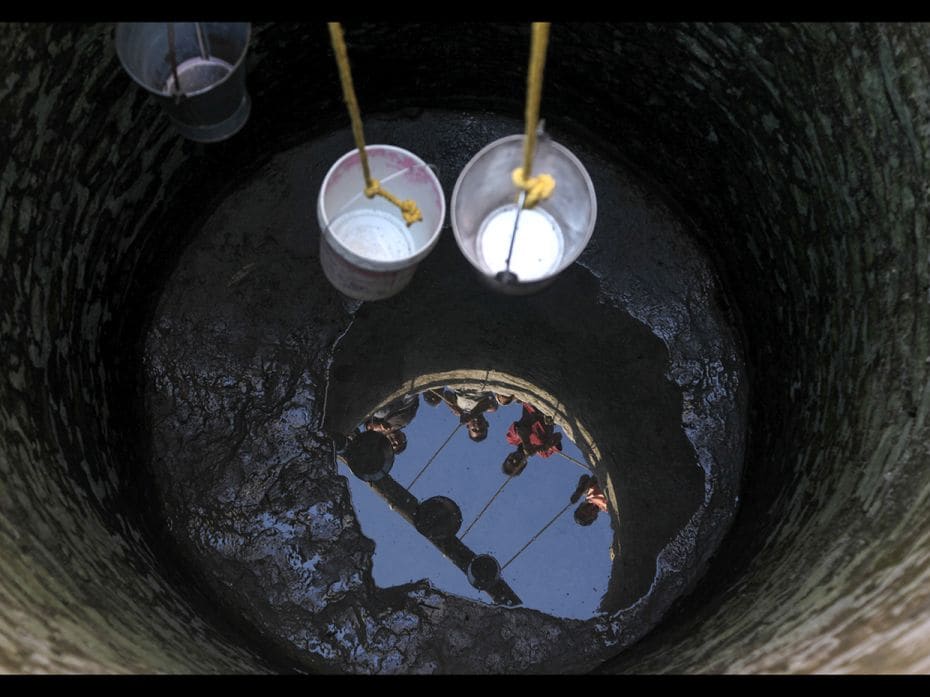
(487, 376)
(490, 501)
(202, 42)
(430, 461)
(442, 396)
(173, 57)
(533, 538)
(580, 464)
(408, 208)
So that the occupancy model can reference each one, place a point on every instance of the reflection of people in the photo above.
(396, 437)
(534, 433)
(432, 397)
(515, 463)
(396, 414)
(392, 417)
(398, 441)
(594, 500)
(473, 400)
(470, 406)
(477, 427)
(503, 400)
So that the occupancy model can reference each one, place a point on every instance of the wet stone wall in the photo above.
(796, 156)
(830, 208)
(82, 588)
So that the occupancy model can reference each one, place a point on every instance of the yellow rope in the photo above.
(542, 185)
(408, 208)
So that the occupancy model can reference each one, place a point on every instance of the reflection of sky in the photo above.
(564, 572)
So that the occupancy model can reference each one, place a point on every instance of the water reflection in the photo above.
(458, 492)
(391, 419)
(594, 500)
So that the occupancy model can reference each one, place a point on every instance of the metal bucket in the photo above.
(202, 88)
(550, 235)
(366, 249)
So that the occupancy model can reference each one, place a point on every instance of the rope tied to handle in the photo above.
(542, 185)
(537, 188)
(408, 207)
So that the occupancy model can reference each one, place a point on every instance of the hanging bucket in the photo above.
(550, 236)
(370, 456)
(366, 249)
(208, 101)
(438, 518)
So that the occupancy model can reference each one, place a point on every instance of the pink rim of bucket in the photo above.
(383, 266)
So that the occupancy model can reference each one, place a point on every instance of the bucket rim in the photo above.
(122, 27)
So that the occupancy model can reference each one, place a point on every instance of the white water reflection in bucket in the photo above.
(373, 234)
(198, 74)
(538, 245)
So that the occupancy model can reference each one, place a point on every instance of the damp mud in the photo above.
(257, 370)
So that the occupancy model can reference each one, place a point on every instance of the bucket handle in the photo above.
(386, 179)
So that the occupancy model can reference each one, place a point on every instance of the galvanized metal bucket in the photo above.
(196, 70)
(549, 236)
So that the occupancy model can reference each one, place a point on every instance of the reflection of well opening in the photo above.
(505, 383)
(522, 514)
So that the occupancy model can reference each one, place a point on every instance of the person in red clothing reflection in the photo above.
(533, 434)
(594, 500)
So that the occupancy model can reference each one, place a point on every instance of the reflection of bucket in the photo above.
(438, 518)
(370, 456)
(366, 249)
(483, 571)
(213, 102)
(549, 237)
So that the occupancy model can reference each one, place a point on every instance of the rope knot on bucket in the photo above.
(542, 185)
(408, 208)
(372, 188)
(537, 188)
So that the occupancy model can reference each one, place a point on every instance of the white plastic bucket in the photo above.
(366, 248)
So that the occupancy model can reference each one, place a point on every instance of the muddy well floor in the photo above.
(253, 362)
